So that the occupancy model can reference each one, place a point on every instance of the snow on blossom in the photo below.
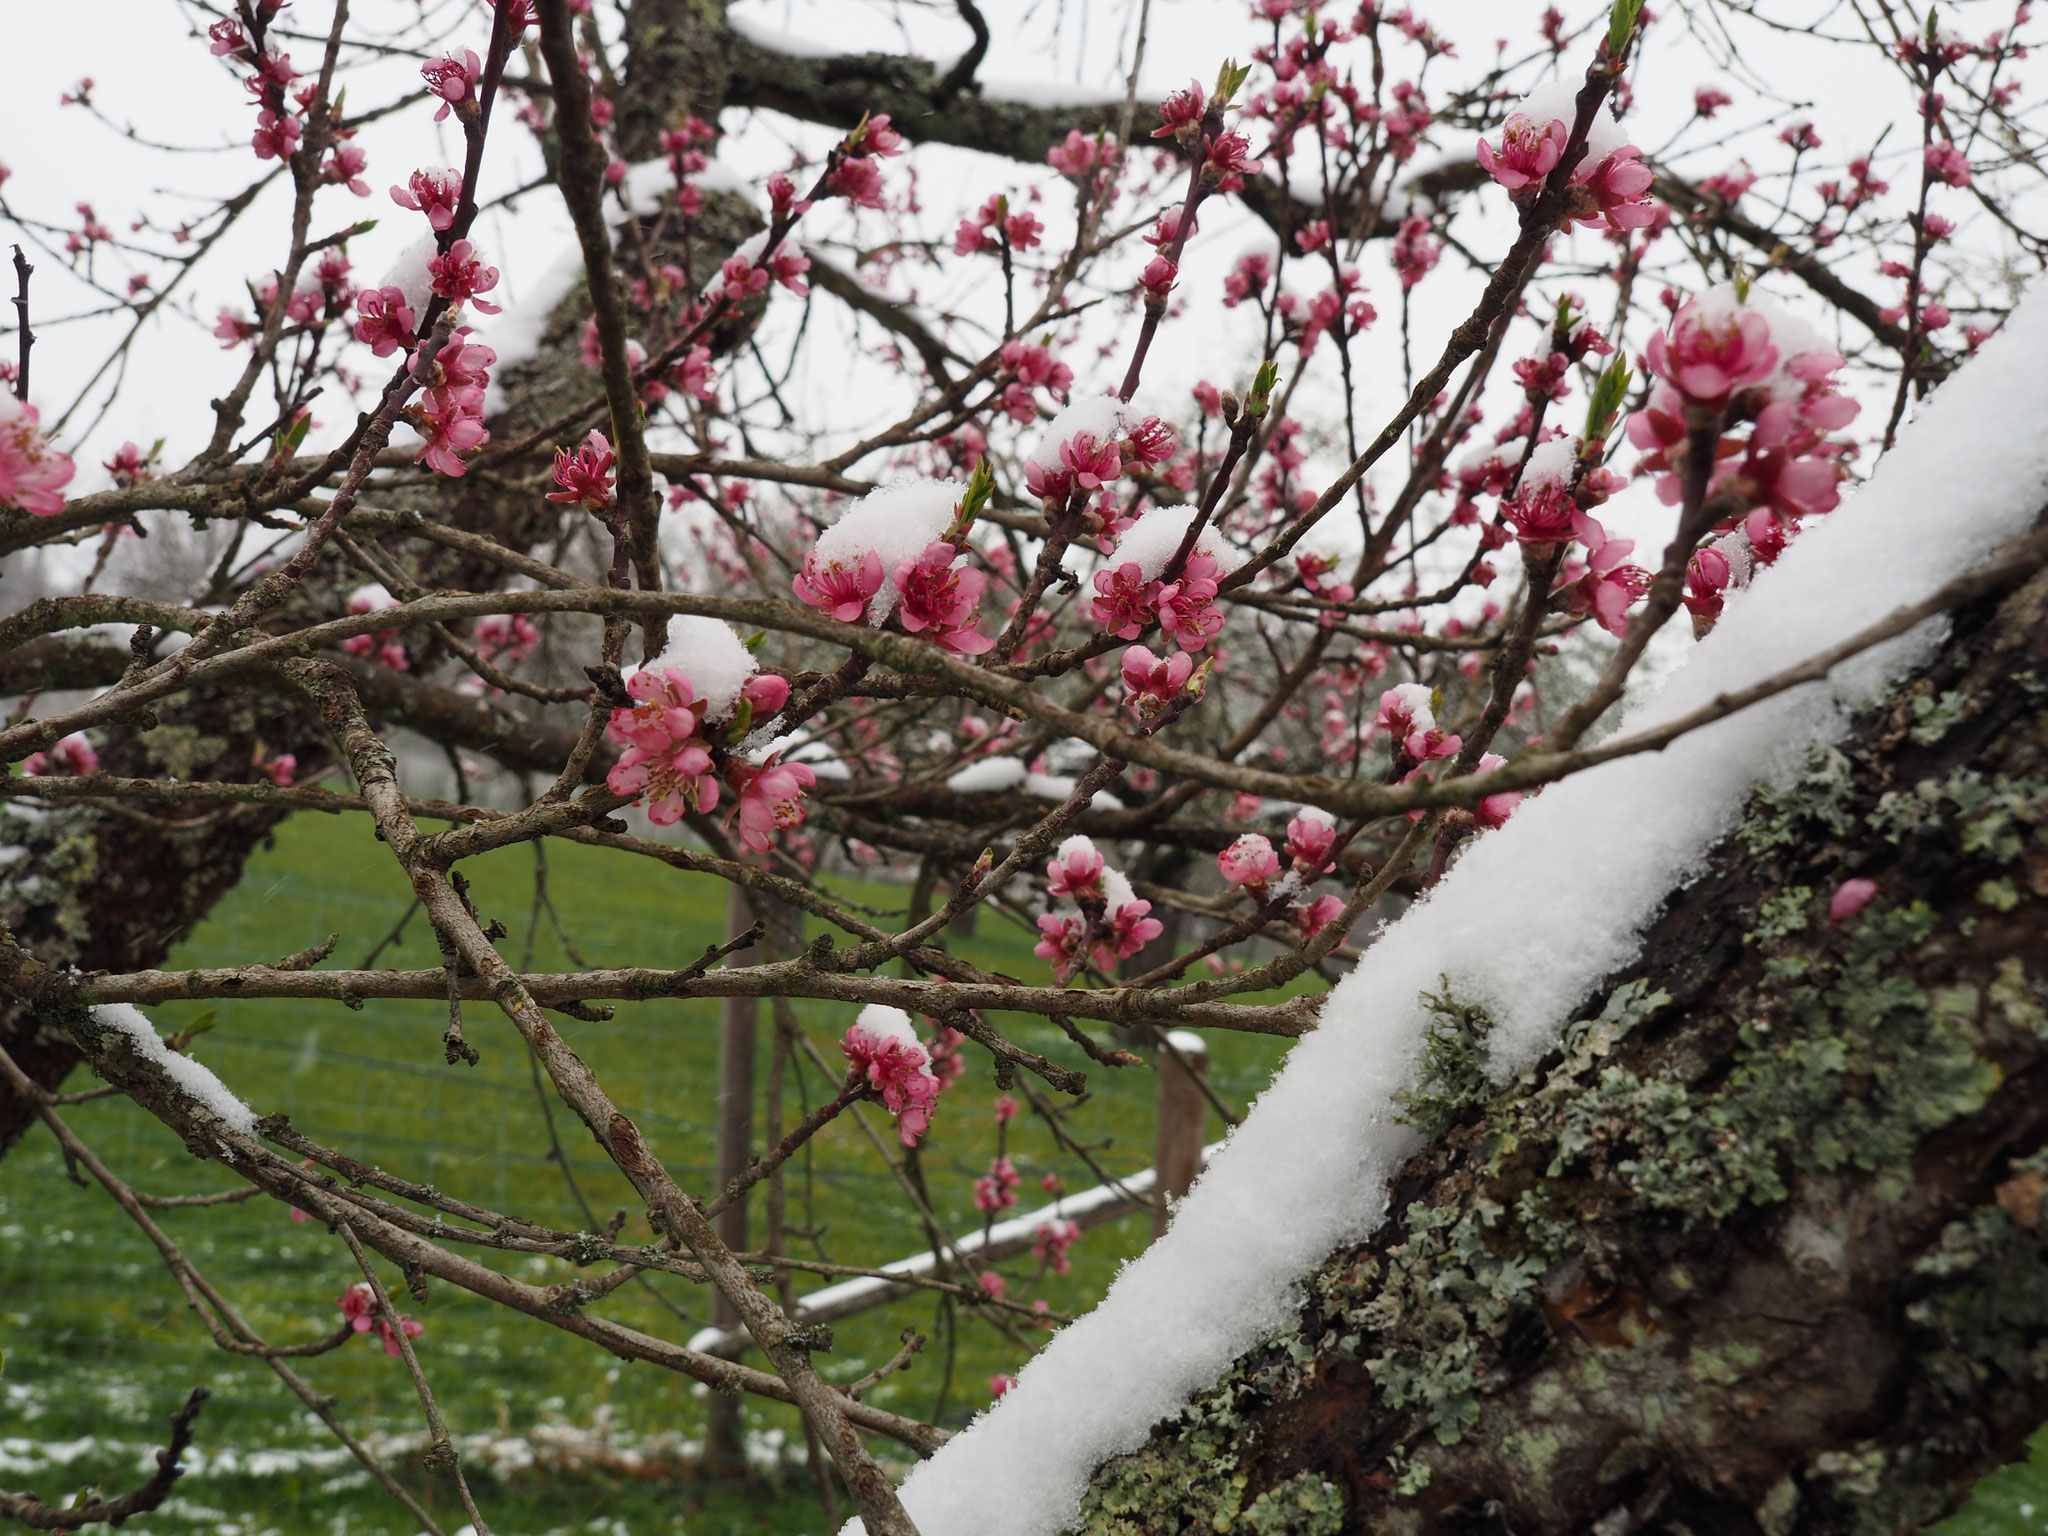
(885, 1050)
(1076, 870)
(1250, 861)
(894, 525)
(1154, 538)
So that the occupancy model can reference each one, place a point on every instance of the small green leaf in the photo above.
(1608, 395)
(1621, 25)
(201, 1023)
(360, 227)
(1228, 79)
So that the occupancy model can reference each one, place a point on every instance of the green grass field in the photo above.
(100, 1348)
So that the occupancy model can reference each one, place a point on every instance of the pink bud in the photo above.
(1850, 897)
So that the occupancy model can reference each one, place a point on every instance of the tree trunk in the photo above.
(1764, 1248)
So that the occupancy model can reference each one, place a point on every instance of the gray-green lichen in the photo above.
(1835, 1062)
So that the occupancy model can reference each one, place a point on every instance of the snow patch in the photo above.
(188, 1074)
(895, 522)
(1154, 539)
(1528, 923)
(990, 776)
(710, 655)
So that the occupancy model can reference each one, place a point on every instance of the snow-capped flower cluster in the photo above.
(1105, 922)
(883, 1047)
(1089, 445)
(694, 703)
(886, 557)
(1730, 363)
(1609, 185)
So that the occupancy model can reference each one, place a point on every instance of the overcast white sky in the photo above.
(152, 72)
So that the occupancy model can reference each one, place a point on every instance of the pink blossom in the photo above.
(1850, 897)
(1712, 352)
(1186, 607)
(1609, 588)
(130, 465)
(833, 588)
(662, 762)
(1055, 1237)
(386, 322)
(1309, 841)
(1250, 861)
(1542, 514)
(1318, 915)
(1148, 679)
(32, 473)
(1180, 115)
(1706, 577)
(1151, 442)
(68, 757)
(1092, 465)
(450, 422)
(359, 1308)
(1076, 874)
(453, 80)
(1124, 600)
(1706, 100)
(1529, 151)
(1229, 161)
(1130, 928)
(996, 1190)
(1415, 250)
(586, 476)
(1059, 943)
(510, 635)
(1000, 1383)
(859, 181)
(282, 769)
(459, 273)
(940, 598)
(1074, 157)
(1493, 811)
(994, 1286)
(1005, 1108)
(771, 799)
(276, 135)
(434, 193)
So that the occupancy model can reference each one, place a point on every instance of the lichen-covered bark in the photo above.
(1763, 1248)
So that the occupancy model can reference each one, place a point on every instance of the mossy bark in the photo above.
(1763, 1248)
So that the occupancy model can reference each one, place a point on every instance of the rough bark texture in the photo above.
(1763, 1248)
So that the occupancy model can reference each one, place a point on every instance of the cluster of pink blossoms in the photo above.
(1608, 185)
(857, 176)
(1727, 364)
(359, 1307)
(1086, 461)
(381, 646)
(1252, 864)
(68, 757)
(995, 228)
(885, 1051)
(1054, 1239)
(996, 1190)
(1110, 923)
(1031, 366)
(938, 597)
(32, 473)
(670, 763)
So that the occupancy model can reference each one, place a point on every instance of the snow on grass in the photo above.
(196, 1080)
(1528, 923)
